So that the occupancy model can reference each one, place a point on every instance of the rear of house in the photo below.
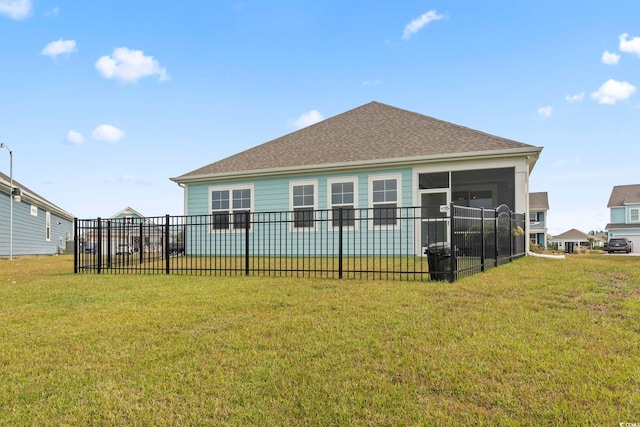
(370, 162)
(624, 209)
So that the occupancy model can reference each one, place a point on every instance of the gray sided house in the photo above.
(39, 226)
(538, 207)
(624, 208)
(375, 156)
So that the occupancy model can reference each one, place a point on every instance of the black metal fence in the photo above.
(388, 243)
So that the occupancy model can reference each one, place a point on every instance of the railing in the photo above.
(390, 243)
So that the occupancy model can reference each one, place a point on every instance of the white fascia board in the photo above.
(531, 154)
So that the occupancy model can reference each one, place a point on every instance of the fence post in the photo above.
(510, 236)
(99, 249)
(340, 229)
(167, 222)
(247, 223)
(140, 249)
(496, 250)
(483, 247)
(454, 262)
(109, 260)
(76, 245)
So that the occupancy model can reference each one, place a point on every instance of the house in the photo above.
(125, 232)
(599, 239)
(569, 240)
(624, 209)
(538, 207)
(36, 226)
(375, 156)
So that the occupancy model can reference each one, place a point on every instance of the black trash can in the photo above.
(439, 259)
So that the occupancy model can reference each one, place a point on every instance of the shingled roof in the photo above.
(538, 201)
(622, 194)
(32, 196)
(367, 134)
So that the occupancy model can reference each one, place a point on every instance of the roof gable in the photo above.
(572, 234)
(538, 201)
(32, 197)
(623, 194)
(372, 132)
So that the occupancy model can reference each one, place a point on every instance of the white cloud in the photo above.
(308, 119)
(75, 137)
(629, 46)
(613, 91)
(52, 12)
(59, 47)
(15, 9)
(107, 133)
(610, 58)
(575, 98)
(129, 66)
(545, 112)
(132, 179)
(415, 25)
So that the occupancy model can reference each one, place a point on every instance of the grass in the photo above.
(535, 342)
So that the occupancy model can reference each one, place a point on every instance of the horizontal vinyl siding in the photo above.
(273, 195)
(29, 232)
(618, 215)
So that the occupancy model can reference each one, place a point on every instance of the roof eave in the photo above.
(531, 153)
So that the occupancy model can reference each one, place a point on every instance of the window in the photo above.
(230, 207)
(634, 215)
(303, 204)
(342, 195)
(47, 233)
(384, 200)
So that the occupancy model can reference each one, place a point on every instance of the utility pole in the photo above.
(3, 145)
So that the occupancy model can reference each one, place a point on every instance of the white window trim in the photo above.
(398, 178)
(330, 205)
(292, 184)
(230, 188)
(638, 213)
(34, 210)
(47, 225)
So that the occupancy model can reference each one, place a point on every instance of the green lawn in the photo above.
(535, 342)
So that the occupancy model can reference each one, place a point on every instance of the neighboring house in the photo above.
(374, 156)
(128, 231)
(538, 207)
(624, 208)
(599, 239)
(569, 240)
(39, 226)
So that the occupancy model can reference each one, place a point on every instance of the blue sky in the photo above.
(103, 101)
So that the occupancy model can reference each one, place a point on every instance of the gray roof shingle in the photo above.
(538, 201)
(622, 194)
(369, 133)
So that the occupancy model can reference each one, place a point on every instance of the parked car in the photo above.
(621, 244)
(124, 249)
(90, 248)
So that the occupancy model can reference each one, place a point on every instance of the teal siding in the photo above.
(273, 195)
(618, 215)
(29, 232)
